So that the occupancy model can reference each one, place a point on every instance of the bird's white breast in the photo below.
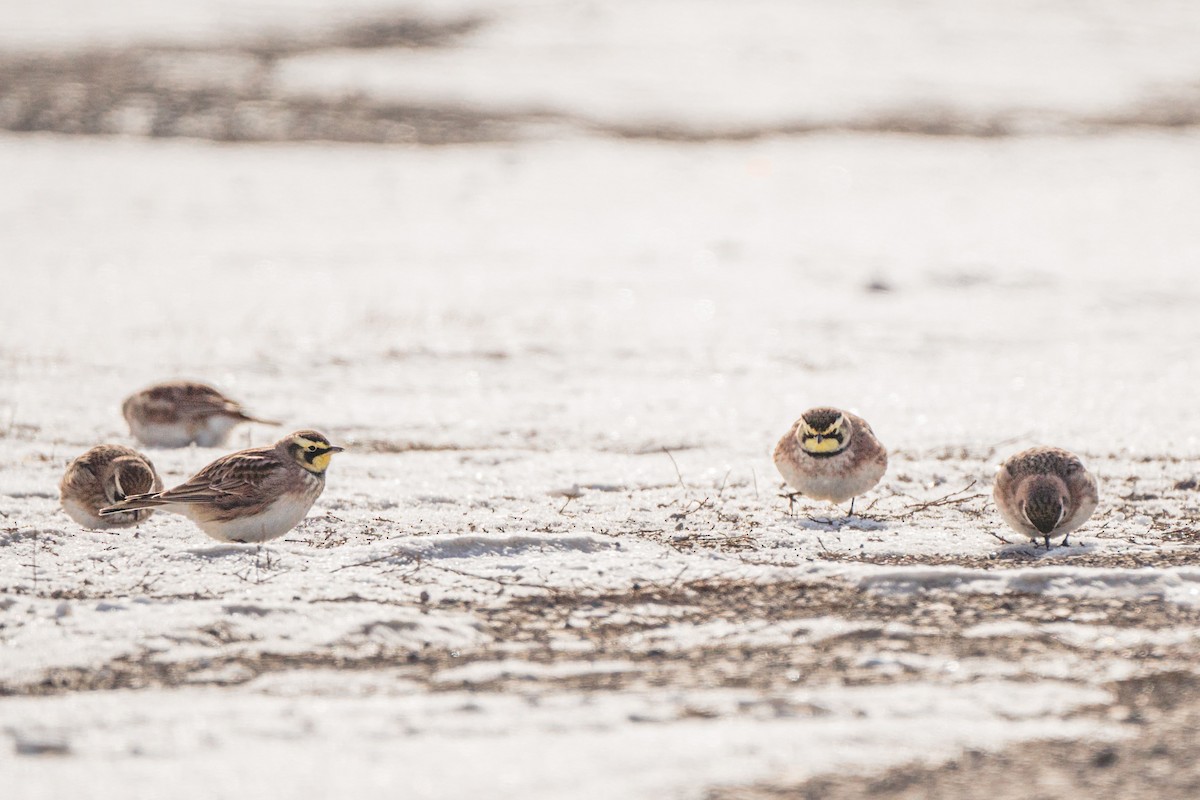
(274, 521)
(207, 432)
(83, 515)
(827, 479)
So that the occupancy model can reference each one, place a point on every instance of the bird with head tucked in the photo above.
(1044, 492)
(104, 475)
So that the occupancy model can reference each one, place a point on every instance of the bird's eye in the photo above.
(312, 448)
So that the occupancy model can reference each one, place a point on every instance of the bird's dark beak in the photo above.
(333, 448)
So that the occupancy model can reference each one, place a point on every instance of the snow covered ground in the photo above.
(554, 562)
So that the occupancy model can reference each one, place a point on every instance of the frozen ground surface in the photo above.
(554, 562)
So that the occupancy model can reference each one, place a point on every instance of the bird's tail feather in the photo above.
(134, 503)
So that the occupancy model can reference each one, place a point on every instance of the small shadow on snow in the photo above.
(391, 625)
(840, 523)
(39, 742)
(220, 550)
(248, 609)
(1066, 551)
(473, 546)
(1030, 551)
(1015, 551)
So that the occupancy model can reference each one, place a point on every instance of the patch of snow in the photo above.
(37, 638)
(631, 745)
(1177, 585)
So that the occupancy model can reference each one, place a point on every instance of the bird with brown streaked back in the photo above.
(178, 413)
(249, 496)
(106, 474)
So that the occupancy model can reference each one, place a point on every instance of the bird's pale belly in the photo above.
(208, 432)
(279, 518)
(830, 483)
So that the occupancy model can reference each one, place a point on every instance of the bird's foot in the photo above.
(791, 498)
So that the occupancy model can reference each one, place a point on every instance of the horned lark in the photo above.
(104, 475)
(1044, 492)
(251, 495)
(829, 454)
(177, 413)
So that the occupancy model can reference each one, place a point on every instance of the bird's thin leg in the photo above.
(851, 512)
(1047, 544)
(1065, 538)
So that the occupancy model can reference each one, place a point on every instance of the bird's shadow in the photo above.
(1036, 551)
(220, 551)
(854, 523)
(1068, 550)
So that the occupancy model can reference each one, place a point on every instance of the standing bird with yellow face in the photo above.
(830, 454)
(1044, 492)
(249, 496)
(106, 474)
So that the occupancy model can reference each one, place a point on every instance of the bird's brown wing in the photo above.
(234, 477)
(199, 400)
(181, 400)
(865, 448)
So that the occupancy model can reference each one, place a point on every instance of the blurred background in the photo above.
(446, 71)
(608, 220)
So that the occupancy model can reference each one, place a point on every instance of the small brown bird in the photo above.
(177, 413)
(1044, 492)
(104, 475)
(251, 495)
(830, 454)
